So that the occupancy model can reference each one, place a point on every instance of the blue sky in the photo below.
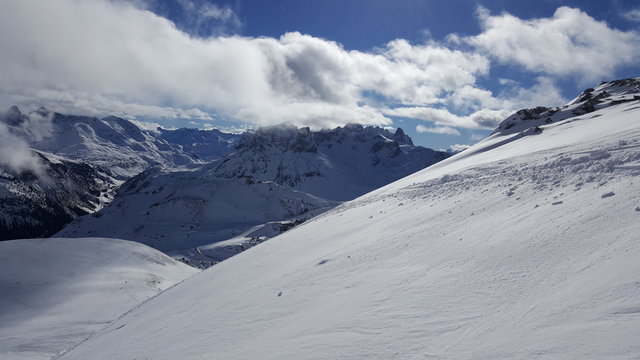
(445, 71)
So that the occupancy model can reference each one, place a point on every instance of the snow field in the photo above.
(57, 292)
(521, 247)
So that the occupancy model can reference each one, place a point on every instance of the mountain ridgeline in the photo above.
(77, 164)
(205, 145)
(83, 160)
(277, 177)
(338, 164)
(606, 94)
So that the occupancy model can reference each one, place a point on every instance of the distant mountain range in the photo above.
(278, 176)
(205, 145)
(83, 160)
(219, 185)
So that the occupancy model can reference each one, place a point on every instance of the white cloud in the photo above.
(94, 104)
(15, 153)
(459, 147)
(104, 57)
(438, 130)
(481, 119)
(632, 15)
(543, 93)
(571, 43)
(101, 57)
(489, 118)
(149, 126)
(207, 19)
(508, 82)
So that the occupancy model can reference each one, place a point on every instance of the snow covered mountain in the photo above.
(39, 205)
(278, 177)
(82, 160)
(338, 164)
(206, 145)
(57, 292)
(524, 246)
(115, 146)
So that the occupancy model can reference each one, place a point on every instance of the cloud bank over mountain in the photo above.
(100, 57)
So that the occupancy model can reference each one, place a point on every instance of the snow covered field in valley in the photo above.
(524, 246)
(57, 292)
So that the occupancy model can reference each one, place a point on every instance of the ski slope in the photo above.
(524, 246)
(57, 292)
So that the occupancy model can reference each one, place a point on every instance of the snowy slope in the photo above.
(524, 246)
(56, 292)
(181, 210)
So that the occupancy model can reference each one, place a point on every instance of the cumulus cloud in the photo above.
(543, 93)
(481, 119)
(571, 43)
(437, 130)
(486, 106)
(104, 57)
(99, 57)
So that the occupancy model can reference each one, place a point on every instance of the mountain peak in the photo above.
(284, 137)
(401, 137)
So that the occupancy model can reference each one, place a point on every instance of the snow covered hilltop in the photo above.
(524, 246)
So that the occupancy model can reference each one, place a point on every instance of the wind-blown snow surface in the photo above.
(56, 292)
(523, 246)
